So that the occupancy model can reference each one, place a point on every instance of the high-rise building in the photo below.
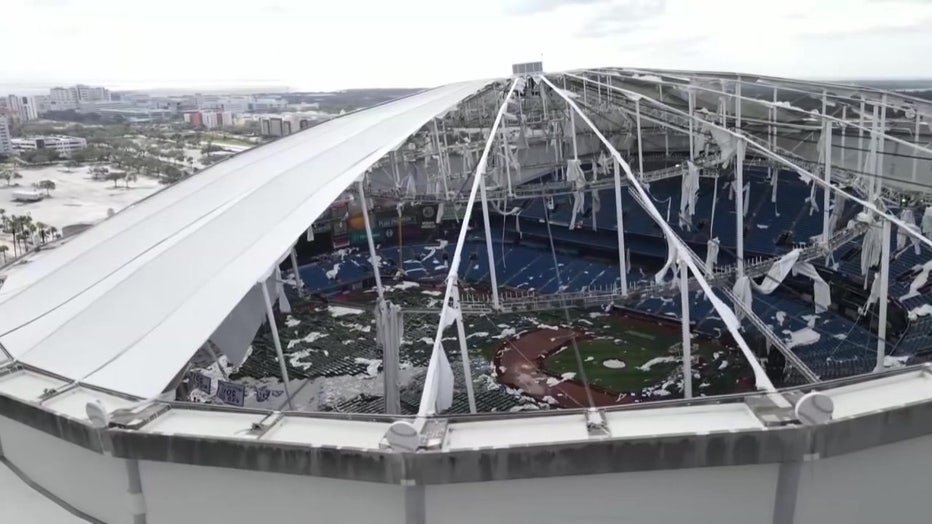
(23, 107)
(91, 93)
(63, 98)
(6, 143)
(43, 104)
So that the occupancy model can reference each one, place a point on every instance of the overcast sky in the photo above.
(334, 44)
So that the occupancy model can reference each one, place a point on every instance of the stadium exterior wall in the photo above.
(727, 459)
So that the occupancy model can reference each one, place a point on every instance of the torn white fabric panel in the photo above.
(574, 173)
(689, 195)
(603, 163)
(237, 331)
(727, 144)
(778, 272)
(579, 203)
(711, 256)
(927, 222)
(813, 204)
(873, 296)
(742, 291)
(921, 279)
(671, 258)
(871, 248)
(821, 292)
(837, 208)
(907, 216)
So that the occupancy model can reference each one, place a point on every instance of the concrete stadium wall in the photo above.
(877, 485)
(708, 495)
(180, 493)
(93, 483)
(222, 465)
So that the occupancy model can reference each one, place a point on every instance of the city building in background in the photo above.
(6, 144)
(23, 108)
(211, 119)
(286, 124)
(63, 145)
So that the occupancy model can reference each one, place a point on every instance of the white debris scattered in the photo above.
(311, 337)
(340, 311)
(894, 362)
(921, 311)
(356, 327)
(613, 363)
(372, 365)
(296, 359)
(803, 337)
(654, 361)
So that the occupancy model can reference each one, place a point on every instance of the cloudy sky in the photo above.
(324, 44)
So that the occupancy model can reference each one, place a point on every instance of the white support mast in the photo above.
(844, 133)
(884, 291)
(691, 99)
(827, 173)
(861, 136)
(373, 258)
(464, 353)
(882, 146)
(496, 303)
(298, 282)
(273, 327)
(637, 109)
(739, 206)
(687, 335)
(916, 140)
(739, 180)
(623, 267)
(666, 131)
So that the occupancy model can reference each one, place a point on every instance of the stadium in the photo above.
(705, 295)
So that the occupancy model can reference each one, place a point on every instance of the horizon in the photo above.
(26, 88)
(325, 47)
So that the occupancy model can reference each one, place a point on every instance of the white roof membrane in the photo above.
(126, 304)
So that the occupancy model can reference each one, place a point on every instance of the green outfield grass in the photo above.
(633, 342)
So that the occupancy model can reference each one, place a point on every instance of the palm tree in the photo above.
(42, 229)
